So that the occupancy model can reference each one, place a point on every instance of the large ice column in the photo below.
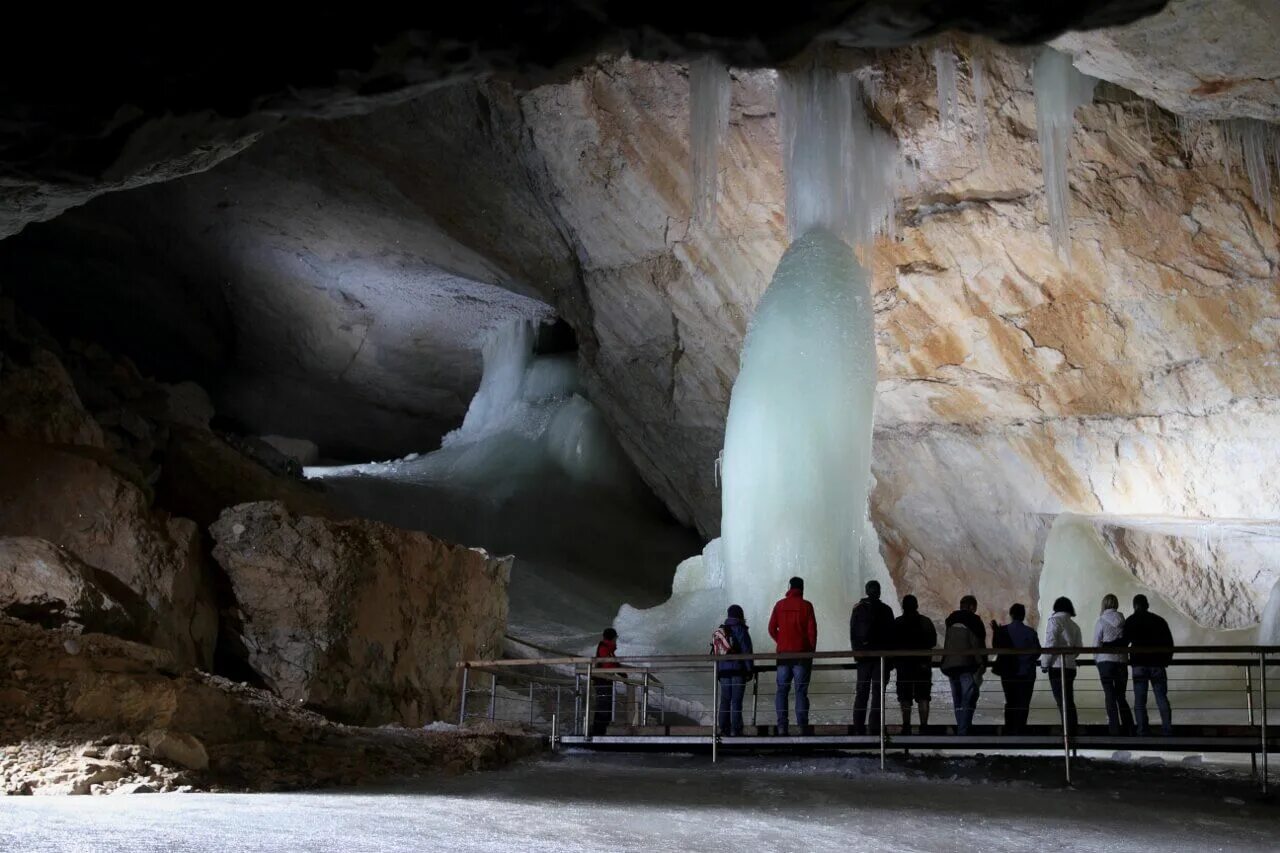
(709, 91)
(797, 454)
(1059, 89)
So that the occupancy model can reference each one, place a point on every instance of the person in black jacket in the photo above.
(1145, 629)
(963, 661)
(870, 629)
(915, 675)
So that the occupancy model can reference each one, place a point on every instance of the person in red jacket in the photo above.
(606, 648)
(793, 628)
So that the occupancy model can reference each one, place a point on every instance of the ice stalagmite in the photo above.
(1059, 88)
(709, 90)
(797, 455)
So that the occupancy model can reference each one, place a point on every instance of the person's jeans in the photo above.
(1055, 682)
(732, 689)
(868, 687)
(1114, 677)
(1158, 678)
(788, 672)
(603, 714)
(964, 696)
(1017, 702)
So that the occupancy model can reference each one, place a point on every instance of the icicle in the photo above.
(709, 86)
(944, 63)
(978, 76)
(1059, 88)
(842, 171)
(1258, 143)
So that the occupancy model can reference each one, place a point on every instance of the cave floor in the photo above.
(578, 802)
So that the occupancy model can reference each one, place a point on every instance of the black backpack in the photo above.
(862, 625)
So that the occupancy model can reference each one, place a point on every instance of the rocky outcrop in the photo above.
(89, 714)
(1208, 59)
(47, 585)
(76, 499)
(358, 619)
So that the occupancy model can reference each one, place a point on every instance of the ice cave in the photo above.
(614, 426)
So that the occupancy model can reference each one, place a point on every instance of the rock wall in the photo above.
(358, 619)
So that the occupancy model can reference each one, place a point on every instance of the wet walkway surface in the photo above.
(630, 802)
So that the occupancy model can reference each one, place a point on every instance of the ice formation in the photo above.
(709, 90)
(797, 458)
(842, 170)
(944, 64)
(1059, 89)
(981, 88)
(1078, 565)
(533, 471)
(1258, 144)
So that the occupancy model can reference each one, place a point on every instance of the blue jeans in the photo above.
(799, 673)
(1114, 676)
(964, 695)
(1157, 677)
(732, 688)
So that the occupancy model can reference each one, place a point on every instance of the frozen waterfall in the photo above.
(709, 91)
(533, 471)
(797, 456)
(1059, 89)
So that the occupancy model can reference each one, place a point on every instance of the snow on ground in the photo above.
(580, 802)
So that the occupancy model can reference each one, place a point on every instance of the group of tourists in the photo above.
(965, 659)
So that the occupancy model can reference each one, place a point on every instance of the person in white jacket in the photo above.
(1113, 668)
(1061, 631)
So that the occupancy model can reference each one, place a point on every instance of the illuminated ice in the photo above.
(709, 90)
(1059, 89)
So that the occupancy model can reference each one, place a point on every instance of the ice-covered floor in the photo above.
(593, 802)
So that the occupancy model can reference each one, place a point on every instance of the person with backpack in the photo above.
(1061, 631)
(794, 628)
(963, 661)
(1145, 630)
(732, 638)
(870, 629)
(606, 648)
(911, 630)
(1113, 669)
(1017, 672)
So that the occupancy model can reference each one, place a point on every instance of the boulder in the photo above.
(50, 586)
(178, 748)
(85, 502)
(38, 401)
(358, 619)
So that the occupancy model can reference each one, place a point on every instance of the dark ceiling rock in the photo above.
(117, 100)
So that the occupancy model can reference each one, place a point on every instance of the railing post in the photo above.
(586, 715)
(1262, 684)
(493, 696)
(462, 709)
(644, 702)
(1062, 704)
(1248, 702)
(531, 703)
(882, 711)
(556, 712)
(715, 713)
(755, 702)
(577, 699)
(555, 731)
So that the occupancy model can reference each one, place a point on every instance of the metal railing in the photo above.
(665, 699)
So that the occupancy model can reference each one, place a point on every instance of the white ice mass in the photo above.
(1059, 89)
(797, 455)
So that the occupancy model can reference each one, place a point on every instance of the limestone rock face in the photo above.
(78, 501)
(1200, 58)
(45, 584)
(356, 618)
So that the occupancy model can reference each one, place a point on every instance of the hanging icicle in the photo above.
(709, 89)
(981, 88)
(1258, 144)
(1059, 89)
(944, 63)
